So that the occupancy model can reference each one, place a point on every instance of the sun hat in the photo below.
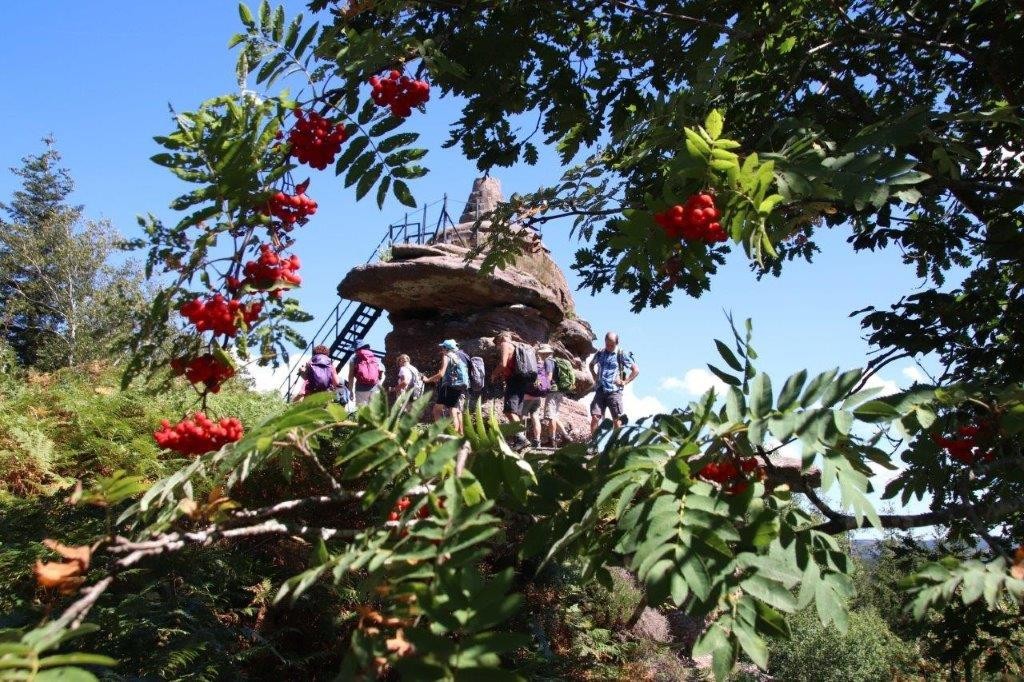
(449, 344)
(545, 349)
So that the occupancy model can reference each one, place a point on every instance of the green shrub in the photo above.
(816, 653)
(71, 424)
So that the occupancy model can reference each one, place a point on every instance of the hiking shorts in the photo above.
(552, 404)
(515, 392)
(364, 397)
(606, 401)
(451, 397)
(532, 405)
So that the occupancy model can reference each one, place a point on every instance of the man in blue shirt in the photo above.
(609, 367)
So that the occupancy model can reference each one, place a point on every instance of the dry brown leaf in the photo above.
(80, 554)
(398, 645)
(60, 575)
(188, 507)
(370, 614)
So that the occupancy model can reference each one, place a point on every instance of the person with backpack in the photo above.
(453, 382)
(409, 379)
(364, 373)
(539, 392)
(319, 374)
(562, 383)
(513, 369)
(610, 366)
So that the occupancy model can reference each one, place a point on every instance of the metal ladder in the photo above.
(355, 328)
(345, 325)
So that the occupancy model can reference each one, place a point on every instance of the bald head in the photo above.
(611, 341)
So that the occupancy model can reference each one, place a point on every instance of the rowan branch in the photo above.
(840, 523)
(136, 551)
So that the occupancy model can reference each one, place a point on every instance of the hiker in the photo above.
(538, 392)
(563, 380)
(453, 382)
(318, 374)
(364, 373)
(409, 379)
(504, 371)
(609, 366)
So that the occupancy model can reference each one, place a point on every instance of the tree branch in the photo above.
(839, 523)
(173, 542)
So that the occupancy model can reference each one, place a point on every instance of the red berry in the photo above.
(399, 93)
(198, 435)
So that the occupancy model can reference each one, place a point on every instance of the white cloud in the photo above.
(272, 379)
(640, 406)
(635, 406)
(695, 382)
(915, 374)
(888, 387)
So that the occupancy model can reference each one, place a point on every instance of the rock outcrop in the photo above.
(431, 293)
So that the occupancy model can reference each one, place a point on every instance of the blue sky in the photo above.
(99, 76)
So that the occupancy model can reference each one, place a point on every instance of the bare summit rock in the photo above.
(436, 291)
(483, 198)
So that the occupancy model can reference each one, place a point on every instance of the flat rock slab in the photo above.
(410, 251)
(447, 284)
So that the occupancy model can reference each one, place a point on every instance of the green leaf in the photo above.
(354, 149)
(729, 357)
(395, 141)
(245, 15)
(714, 124)
(770, 592)
(696, 145)
(403, 194)
(382, 193)
(817, 387)
(358, 168)
(368, 180)
(771, 622)
(752, 644)
(876, 411)
(727, 378)
(385, 125)
(735, 406)
(307, 38)
(760, 395)
(769, 204)
(791, 390)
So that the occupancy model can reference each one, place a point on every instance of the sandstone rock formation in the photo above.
(432, 293)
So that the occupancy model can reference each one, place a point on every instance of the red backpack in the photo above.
(367, 368)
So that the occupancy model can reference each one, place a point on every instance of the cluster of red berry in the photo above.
(270, 272)
(290, 208)
(404, 503)
(965, 449)
(731, 477)
(198, 435)
(207, 369)
(315, 140)
(399, 92)
(220, 315)
(696, 219)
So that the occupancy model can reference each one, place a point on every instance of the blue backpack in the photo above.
(457, 374)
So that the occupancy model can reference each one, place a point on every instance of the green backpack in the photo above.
(565, 377)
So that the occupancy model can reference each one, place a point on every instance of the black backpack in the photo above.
(524, 364)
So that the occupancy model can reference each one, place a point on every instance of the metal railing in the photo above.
(418, 230)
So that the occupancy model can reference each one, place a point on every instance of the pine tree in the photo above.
(61, 302)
